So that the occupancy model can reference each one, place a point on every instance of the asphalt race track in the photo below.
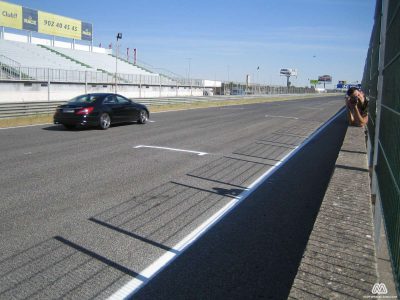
(84, 212)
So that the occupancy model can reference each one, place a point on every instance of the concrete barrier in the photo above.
(339, 261)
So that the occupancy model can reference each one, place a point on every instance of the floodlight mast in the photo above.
(119, 36)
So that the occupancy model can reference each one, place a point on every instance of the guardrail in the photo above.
(11, 110)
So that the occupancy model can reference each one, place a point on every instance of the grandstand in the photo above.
(41, 69)
(33, 56)
(27, 61)
(101, 61)
(36, 66)
(27, 56)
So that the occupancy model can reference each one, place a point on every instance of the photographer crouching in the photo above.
(357, 107)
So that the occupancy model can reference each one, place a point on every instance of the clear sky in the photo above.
(231, 38)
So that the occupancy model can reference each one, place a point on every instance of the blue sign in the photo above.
(347, 86)
(29, 19)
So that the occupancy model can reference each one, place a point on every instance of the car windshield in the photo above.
(84, 99)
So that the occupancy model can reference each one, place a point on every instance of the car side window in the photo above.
(110, 100)
(122, 100)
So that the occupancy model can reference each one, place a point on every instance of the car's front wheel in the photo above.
(105, 121)
(143, 117)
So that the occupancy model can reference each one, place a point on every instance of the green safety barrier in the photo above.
(387, 167)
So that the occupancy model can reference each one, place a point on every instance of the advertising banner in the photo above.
(87, 31)
(59, 26)
(30, 19)
(18, 17)
(347, 86)
(10, 15)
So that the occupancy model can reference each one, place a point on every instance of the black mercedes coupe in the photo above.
(101, 110)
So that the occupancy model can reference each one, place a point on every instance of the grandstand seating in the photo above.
(30, 55)
(41, 56)
(102, 61)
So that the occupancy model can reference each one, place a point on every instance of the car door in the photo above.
(130, 113)
(116, 110)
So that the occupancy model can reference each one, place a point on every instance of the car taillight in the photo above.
(85, 111)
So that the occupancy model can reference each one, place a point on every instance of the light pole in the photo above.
(190, 82)
(119, 36)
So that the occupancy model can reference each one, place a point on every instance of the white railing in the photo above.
(9, 68)
(10, 71)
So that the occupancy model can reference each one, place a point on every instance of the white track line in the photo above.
(284, 117)
(316, 108)
(132, 286)
(233, 108)
(172, 149)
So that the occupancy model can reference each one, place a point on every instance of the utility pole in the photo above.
(119, 36)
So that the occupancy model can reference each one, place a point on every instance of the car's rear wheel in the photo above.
(143, 117)
(105, 121)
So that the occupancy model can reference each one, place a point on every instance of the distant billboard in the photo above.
(288, 72)
(348, 85)
(19, 17)
(325, 78)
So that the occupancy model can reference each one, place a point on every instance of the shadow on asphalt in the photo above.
(62, 128)
(83, 128)
(255, 251)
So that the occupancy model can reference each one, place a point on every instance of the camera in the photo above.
(353, 100)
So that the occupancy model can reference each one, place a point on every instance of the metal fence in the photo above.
(10, 72)
(381, 84)
(370, 78)
(239, 88)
